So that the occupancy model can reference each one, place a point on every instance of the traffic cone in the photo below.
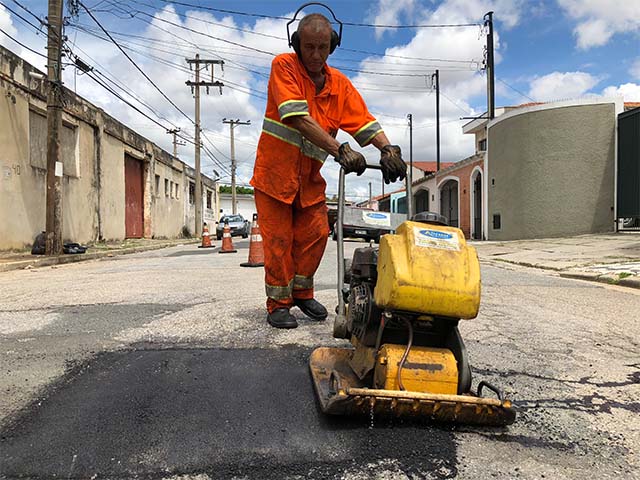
(256, 249)
(206, 238)
(227, 243)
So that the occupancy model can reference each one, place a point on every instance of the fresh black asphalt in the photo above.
(153, 413)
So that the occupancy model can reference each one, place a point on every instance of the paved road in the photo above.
(161, 365)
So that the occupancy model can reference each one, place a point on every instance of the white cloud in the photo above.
(630, 92)
(635, 69)
(7, 25)
(599, 20)
(389, 12)
(560, 86)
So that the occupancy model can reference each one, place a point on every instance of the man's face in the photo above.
(314, 47)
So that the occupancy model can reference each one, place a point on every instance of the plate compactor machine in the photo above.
(399, 304)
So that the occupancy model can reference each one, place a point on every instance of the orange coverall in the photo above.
(289, 189)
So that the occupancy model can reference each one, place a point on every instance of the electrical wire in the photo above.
(133, 62)
(232, 12)
(22, 44)
(16, 14)
(515, 89)
(29, 12)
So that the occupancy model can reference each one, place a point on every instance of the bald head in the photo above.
(315, 23)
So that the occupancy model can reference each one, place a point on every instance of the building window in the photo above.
(166, 187)
(157, 185)
(192, 193)
(209, 199)
(497, 221)
(171, 189)
(482, 145)
(177, 192)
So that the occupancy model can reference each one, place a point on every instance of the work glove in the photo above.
(393, 167)
(351, 160)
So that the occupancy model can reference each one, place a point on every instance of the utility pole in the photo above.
(196, 62)
(491, 101)
(233, 124)
(435, 78)
(370, 197)
(410, 173)
(176, 142)
(53, 245)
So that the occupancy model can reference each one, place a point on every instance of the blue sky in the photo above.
(545, 50)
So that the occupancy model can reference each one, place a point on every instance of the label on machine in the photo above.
(436, 239)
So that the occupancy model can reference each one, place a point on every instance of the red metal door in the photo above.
(133, 195)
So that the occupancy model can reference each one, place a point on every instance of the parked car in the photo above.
(239, 226)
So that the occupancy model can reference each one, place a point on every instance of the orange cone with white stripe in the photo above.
(206, 238)
(227, 243)
(256, 249)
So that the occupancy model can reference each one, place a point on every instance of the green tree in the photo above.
(242, 190)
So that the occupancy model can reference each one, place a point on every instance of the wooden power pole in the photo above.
(232, 125)
(491, 95)
(195, 87)
(55, 170)
(176, 142)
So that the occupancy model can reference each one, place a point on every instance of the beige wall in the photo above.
(80, 199)
(93, 188)
(21, 189)
(550, 171)
(168, 205)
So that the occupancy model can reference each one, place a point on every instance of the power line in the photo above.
(515, 89)
(28, 11)
(232, 85)
(353, 24)
(133, 62)
(22, 44)
(37, 28)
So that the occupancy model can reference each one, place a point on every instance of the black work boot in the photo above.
(281, 318)
(311, 308)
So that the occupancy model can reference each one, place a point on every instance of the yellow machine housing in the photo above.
(432, 370)
(428, 269)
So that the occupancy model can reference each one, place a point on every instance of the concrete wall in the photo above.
(550, 170)
(93, 147)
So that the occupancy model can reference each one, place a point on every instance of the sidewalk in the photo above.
(612, 258)
(24, 260)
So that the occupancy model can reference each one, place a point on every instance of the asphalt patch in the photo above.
(226, 413)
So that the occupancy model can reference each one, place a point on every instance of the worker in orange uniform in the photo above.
(308, 101)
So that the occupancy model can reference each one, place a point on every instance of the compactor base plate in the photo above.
(341, 392)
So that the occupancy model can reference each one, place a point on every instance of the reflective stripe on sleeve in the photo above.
(300, 281)
(366, 133)
(277, 292)
(293, 137)
(293, 107)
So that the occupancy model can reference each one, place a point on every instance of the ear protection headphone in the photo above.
(294, 40)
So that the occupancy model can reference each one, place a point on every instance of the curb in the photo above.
(631, 282)
(43, 261)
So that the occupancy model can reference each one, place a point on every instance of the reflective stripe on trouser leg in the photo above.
(276, 228)
(310, 235)
(300, 281)
(276, 292)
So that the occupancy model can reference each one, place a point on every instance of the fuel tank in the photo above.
(428, 269)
